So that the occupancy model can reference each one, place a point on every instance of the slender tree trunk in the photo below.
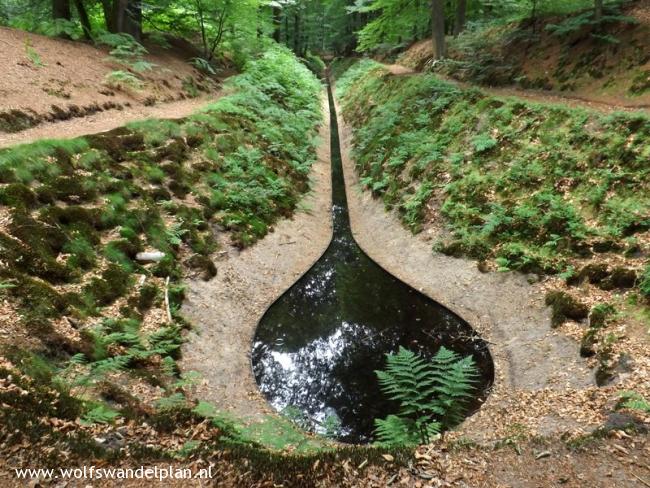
(415, 24)
(286, 29)
(438, 28)
(118, 15)
(296, 33)
(201, 19)
(533, 15)
(598, 10)
(107, 8)
(126, 17)
(220, 26)
(461, 9)
(277, 12)
(83, 18)
(61, 9)
(134, 19)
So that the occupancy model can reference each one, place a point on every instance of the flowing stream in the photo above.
(317, 347)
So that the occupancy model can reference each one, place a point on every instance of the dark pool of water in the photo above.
(317, 347)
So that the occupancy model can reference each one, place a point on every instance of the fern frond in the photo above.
(109, 365)
(171, 402)
(100, 414)
(432, 394)
(394, 430)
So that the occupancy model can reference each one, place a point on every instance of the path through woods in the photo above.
(105, 121)
(533, 95)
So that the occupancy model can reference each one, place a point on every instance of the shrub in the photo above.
(520, 183)
(250, 159)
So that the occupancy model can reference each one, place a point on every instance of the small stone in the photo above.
(154, 256)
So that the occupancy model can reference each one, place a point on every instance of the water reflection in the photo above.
(317, 347)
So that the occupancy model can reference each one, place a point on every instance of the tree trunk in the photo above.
(61, 9)
(598, 10)
(118, 15)
(277, 12)
(83, 18)
(286, 29)
(126, 17)
(107, 8)
(533, 14)
(296, 33)
(438, 28)
(134, 19)
(461, 9)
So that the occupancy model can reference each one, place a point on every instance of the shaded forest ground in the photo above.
(412, 134)
(613, 458)
(559, 56)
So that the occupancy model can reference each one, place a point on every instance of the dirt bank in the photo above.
(225, 311)
(48, 79)
(532, 361)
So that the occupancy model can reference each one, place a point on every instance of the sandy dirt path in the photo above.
(105, 121)
(225, 311)
(538, 96)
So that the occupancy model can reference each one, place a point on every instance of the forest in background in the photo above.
(341, 27)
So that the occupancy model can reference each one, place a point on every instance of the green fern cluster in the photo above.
(634, 401)
(432, 395)
(119, 79)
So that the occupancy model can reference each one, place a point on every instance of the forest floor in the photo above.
(551, 411)
(528, 355)
(540, 373)
(53, 88)
(531, 61)
(519, 444)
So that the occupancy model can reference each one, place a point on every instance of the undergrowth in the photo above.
(541, 189)
(530, 186)
(77, 212)
(432, 395)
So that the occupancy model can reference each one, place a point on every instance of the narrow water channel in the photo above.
(317, 347)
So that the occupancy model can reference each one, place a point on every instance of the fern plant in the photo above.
(120, 79)
(634, 401)
(432, 395)
(203, 65)
(100, 414)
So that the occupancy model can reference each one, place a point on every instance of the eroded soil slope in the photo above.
(47, 80)
(608, 64)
